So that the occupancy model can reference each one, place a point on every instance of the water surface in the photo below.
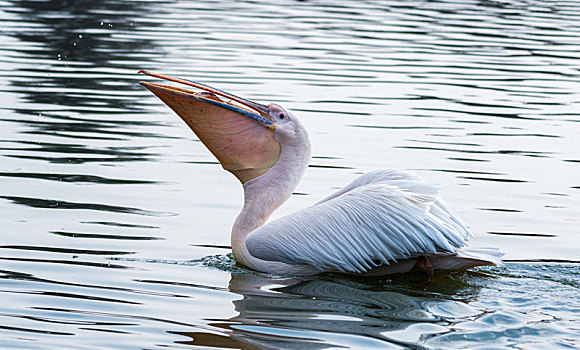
(109, 205)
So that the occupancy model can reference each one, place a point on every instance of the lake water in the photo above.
(115, 219)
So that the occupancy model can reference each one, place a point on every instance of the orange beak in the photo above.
(239, 132)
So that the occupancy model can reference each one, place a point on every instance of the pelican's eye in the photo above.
(281, 116)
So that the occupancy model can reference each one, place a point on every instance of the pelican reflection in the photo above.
(307, 313)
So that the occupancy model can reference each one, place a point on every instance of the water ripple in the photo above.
(106, 196)
(59, 204)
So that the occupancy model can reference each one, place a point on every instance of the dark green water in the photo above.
(110, 207)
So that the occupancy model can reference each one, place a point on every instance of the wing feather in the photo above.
(380, 218)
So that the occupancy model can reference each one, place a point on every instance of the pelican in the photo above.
(383, 222)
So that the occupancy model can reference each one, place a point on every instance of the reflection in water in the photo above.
(314, 313)
(65, 250)
(77, 96)
(82, 35)
(104, 236)
(373, 309)
(57, 204)
(407, 311)
(74, 178)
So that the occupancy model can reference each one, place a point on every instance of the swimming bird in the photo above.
(383, 222)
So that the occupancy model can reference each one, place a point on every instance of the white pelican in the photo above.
(383, 222)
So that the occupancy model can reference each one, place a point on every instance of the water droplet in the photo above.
(80, 36)
(102, 23)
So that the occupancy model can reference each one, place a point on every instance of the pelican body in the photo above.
(383, 222)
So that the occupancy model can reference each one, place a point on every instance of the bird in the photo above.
(383, 222)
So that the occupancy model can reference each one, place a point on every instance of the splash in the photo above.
(222, 262)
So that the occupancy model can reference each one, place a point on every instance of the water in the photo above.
(115, 218)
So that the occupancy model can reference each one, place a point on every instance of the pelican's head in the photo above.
(244, 136)
(289, 130)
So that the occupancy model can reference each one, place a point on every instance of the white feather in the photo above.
(378, 219)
